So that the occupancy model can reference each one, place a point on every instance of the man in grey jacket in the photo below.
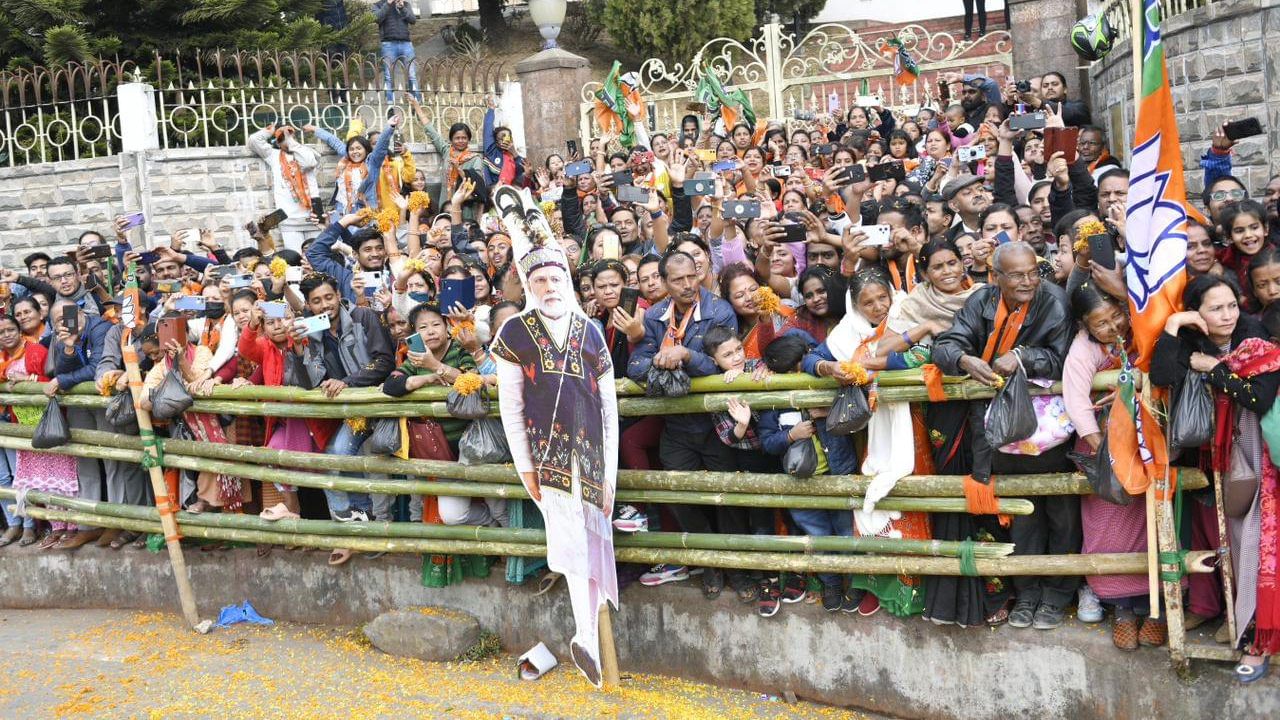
(394, 18)
(127, 484)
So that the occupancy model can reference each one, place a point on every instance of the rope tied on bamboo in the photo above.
(1177, 559)
(968, 563)
(980, 497)
(152, 451)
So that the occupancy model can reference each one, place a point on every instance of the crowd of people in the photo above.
(852, 244)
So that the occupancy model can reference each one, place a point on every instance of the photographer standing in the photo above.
(394, 18)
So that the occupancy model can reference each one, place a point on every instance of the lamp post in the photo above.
(548, 15)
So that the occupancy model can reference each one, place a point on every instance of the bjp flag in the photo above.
(1156, 215)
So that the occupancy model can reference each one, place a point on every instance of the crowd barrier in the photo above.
(874, 555)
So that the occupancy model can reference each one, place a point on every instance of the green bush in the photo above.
(675, 29)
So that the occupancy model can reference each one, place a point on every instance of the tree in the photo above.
(57, 31)
(676, 29)
(788, 10)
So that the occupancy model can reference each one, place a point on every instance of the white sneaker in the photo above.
(662, 574)
(1088, 607)
(630, 520)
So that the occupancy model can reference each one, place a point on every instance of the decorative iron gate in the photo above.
(783, 75)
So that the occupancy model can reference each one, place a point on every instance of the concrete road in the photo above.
(126, 664)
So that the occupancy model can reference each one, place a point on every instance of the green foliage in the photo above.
(583, 23)
(788, 9)
(676, 29)
(57, 31)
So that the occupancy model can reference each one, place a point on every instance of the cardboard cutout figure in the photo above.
(559, 408)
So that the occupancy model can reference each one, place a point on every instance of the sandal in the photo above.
(1124, 633)
(279, 512)
(1246, 673)
(198, 507)
(50, 539)
(123, 539)
(712, 583)
(547, 582)
(1000, 616)
(1154, 633)
(339, 556)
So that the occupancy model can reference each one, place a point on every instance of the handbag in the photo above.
(427, 441)
(385, 438)
(120, 410)
(1053, 427)
(850, 412)
(171, 399)
(52, 430)
(1241, 483)
(801, 459)
(1191, 421)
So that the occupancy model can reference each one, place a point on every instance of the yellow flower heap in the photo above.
(767, 301)
(388, 217)
(468, 383)
(414, 265)
(278, 267)
(458, 328)
(1093, 227)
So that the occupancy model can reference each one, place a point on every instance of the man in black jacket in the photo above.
(394, 18)
(1019, 321)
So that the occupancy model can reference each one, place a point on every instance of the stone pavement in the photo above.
(129, 664)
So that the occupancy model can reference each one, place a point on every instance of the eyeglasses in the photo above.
(1020, 277)
(1221, 195)
(62, 276)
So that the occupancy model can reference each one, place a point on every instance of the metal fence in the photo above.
(783, 73)
(219, 98)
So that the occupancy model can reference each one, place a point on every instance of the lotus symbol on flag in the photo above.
(1157, 226)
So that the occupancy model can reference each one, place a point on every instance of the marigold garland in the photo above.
(357, 424)
(460, 326)
(419, 201)
(855, 371)
(999, 382)
(1093, 227)
(548, 207)
(278, 267)
(414, 265)
(109, 380)
(767, 301)
(364, 215)
(387, 218)
(468, 383)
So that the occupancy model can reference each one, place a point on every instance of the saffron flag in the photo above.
(1156, 215)
(612, 100)
(905, 70)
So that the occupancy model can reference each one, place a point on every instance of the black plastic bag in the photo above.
(1097, 469)
(120, 410)
(801, 459)
(1191, 422)
(850, 412)
(661, 382)
(1011, 417)
(171, 399)
(484, 442)
(52, 430)
(385, 438)
(468, 407)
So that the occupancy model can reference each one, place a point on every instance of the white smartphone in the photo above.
(293, 274)
(877, 235)
(313, 324)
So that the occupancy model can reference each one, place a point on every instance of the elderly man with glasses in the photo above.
(1018, 321)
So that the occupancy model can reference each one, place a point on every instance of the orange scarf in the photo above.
(979, 496)
(6, 359)
(674, 334)
(456, 158)
(294, 178)
(904, 284)
(344, 165)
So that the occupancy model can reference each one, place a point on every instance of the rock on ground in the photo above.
(426, 633)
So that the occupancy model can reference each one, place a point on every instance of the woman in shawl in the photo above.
(1212, 336)
(460, 157)
(823, 291)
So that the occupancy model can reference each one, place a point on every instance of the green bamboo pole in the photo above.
(626, 388)
(107, 446)
(696, 541)
(1014, 565)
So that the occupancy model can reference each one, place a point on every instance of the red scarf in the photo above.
(1251, 358)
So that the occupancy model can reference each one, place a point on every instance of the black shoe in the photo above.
(351, 515)
(793, 588)
(851, 600)
(584, 662)
(1047, 617)
(968, 35)
(1022, 614)
(712, 583)
(832, 596)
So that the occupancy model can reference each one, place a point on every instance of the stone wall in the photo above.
(47, 206)
(1224, 64)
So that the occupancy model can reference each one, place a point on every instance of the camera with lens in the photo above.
(805, 115)
(1023, 86)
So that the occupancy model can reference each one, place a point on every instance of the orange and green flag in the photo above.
(1156, 214)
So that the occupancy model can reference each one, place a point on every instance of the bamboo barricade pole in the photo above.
(153, 460)
(674, 540)
(608, 652)
(112, 446)
(1013, 565)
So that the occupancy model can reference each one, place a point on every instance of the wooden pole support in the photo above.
(608, 652)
